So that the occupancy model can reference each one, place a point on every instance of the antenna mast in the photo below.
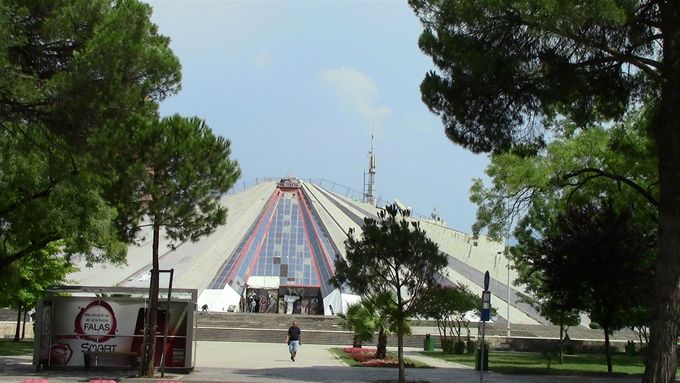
(369, 194)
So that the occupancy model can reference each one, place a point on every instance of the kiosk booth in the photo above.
(104, 326)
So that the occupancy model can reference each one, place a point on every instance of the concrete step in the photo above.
(269, 321)
(8, 315)
(343, 338)
(317, 329)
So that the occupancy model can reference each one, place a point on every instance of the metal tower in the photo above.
(369, 187)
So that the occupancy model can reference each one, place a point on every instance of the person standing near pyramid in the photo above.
(294, 340)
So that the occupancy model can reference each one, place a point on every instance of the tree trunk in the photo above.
(442, 337)
(467, 330)
(23, 325)
(17, 333)
(356, 342)
(661, 363)
(561, 342)
(381, 352)
(458, 331)
(400, 347)
(607, 351)
(150, 325)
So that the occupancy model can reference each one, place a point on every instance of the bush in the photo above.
(569, 348)
(360, 354)
(470, 347)
(487, 346)
(366, 357)
(447, 346)
(594, 325)
(549, 357)
(459, 347)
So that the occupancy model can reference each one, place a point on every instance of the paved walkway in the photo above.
(270, 363)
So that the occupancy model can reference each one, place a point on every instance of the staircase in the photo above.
(8, 315)
(273, 328)
(328, 330)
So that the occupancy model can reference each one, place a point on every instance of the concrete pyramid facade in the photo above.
(276, 252)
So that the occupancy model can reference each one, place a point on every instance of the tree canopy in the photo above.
(448, 306)
(27, 280)
(510, 72)
(173, 174)
(538, 190)
(366, 318)
(70, 68)
(618, 161)
(393, 259)
(86, 160)
(592, 258)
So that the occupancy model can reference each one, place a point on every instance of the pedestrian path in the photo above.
(433, 362)
(232, 362)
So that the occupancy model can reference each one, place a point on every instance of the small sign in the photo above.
(486, 305)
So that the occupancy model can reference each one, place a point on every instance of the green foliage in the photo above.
(83, 154)
(448, 306)
(470, 346)
(69, 69)
(508, 70)
(534, 363)
(8, 348)
(367, 318)
(592, 258)
(447, 345)
(393, 259)
(73, 65)
(359, 320)
(616, 161)
(452, 346)
(572, 170)
(514, 74)
(25, 281)
(173, 174)
(549, 357)
(350, 361)
(555, 309)
(44, 199)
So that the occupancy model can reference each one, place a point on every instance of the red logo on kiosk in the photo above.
(96, 322)
(60, 353)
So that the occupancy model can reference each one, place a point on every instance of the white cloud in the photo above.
(262, 59)
(359, 91)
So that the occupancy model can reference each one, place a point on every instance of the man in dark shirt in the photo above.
(294, 340)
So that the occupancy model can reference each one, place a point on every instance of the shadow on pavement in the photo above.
(337, 374)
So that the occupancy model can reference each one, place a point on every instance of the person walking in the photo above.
(294, 340)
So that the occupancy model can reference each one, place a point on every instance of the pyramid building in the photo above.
(276, 254)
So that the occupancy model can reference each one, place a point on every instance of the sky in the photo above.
(299, 88)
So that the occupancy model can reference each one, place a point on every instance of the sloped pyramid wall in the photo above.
(289, 235)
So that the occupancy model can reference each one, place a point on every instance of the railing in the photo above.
(343, 190)
(331, 186)
(243, 184)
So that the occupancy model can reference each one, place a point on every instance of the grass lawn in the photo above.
(9, 347)
(348, 360)
(508, 362)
